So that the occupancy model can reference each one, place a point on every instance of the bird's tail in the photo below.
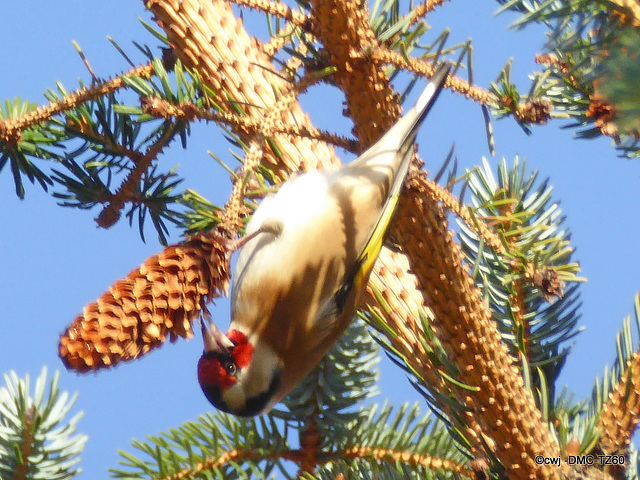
(394, 150)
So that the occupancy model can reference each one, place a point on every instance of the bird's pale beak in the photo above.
(214, 339)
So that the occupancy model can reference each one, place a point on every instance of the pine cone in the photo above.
(162, 297)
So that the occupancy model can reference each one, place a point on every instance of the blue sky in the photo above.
(55, 260)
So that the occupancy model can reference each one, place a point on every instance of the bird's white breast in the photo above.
(298, 204)
(281, 281)
(306, 213)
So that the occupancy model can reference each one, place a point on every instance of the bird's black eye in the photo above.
(231, 368)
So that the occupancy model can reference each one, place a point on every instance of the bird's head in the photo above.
(229, 377)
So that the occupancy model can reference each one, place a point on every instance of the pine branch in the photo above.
(379, 440)
(405, 457)
(111, 142)
(218, 445)
(621, 411)
(525, 286)
(343, 27)
(10, 128)
(472, 340)
(220, 63)
(227, 458)
(591, 66)
(310, 447)
(36, 441)
(465, 214)
(189, 111)
(25, 446)
(127, 190)
(426, 7)
(427, 69)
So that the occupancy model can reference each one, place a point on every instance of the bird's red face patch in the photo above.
(211, 371)
(221, 369)
(243, 350)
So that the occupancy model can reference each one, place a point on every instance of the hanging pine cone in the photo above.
(161, 298)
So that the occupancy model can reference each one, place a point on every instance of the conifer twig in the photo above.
(427, 69)
(10, 128)
(503, 406)
(188, 111)
(621, 412)
(536, 111)
(450, 202)
(278, 41)
(235, 456)
(628, 11)
(310, 446)
(26, 446)
(408, 458)
(423, 9)
(127, 190)
(231, 220)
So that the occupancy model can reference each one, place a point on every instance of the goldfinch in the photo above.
(302, 270)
